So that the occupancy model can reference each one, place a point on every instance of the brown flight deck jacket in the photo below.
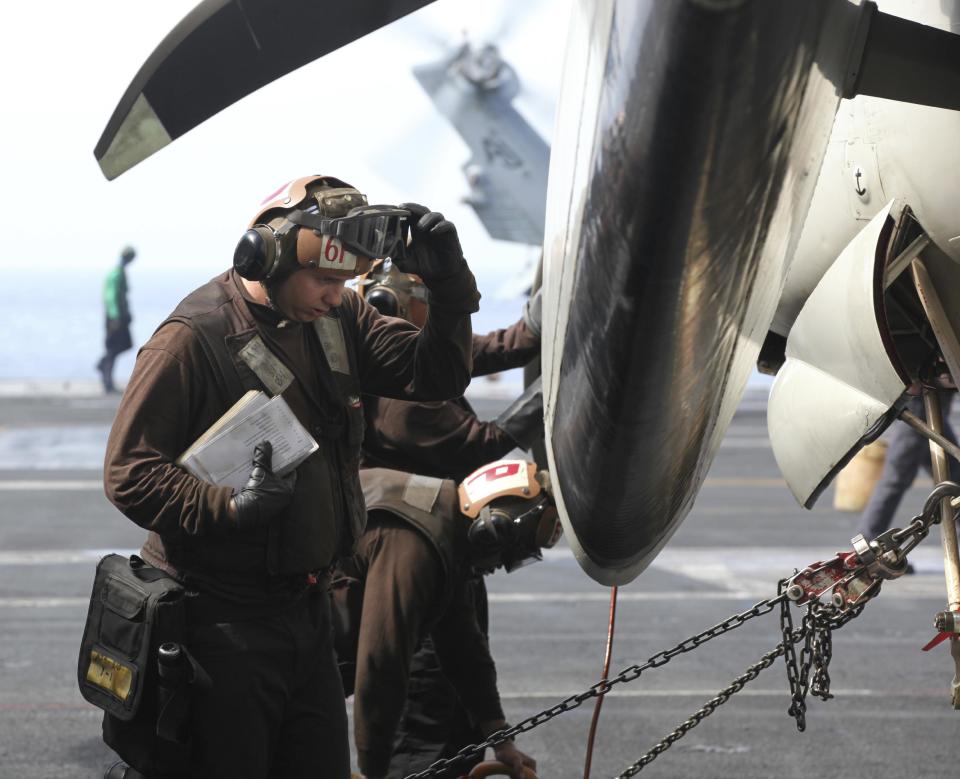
(189, 373)
(412, 560)
(445, 438)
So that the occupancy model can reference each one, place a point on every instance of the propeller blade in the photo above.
(221, 52)
(907, 61)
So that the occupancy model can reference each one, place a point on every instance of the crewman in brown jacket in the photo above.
(445, 439)
(282, 322)
(412, 566)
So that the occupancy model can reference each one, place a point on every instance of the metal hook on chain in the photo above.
(855, 575)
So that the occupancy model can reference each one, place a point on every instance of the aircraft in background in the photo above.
(507, 169)
(705, 199)
(474, 88)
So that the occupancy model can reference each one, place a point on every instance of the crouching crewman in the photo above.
(407, 580)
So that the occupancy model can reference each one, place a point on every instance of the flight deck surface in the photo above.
(548, 623)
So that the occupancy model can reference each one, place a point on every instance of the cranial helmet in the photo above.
(389, 290)
(317, 221)
(513, 516)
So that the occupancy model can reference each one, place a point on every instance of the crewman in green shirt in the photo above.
(117, 311)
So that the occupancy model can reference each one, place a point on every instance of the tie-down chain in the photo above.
(852, 578)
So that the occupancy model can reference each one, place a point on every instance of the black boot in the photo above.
(105, 367)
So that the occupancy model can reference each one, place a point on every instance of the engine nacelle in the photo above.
(872, 328)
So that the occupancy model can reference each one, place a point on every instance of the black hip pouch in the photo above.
(134, 666)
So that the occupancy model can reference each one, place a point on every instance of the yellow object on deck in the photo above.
(855, 483)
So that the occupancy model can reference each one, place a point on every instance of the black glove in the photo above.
(434, 253)
(522, 420)
(265, 494)
(533, 313)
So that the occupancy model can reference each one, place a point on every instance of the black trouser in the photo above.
(276, 708)
(907, 453)
(435, 724)
(116, 342)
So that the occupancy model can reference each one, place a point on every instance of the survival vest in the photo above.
(240, 360)
(428, 504)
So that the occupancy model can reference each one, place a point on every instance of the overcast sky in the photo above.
(66, 64)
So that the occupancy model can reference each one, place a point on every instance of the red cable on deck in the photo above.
(606, 673)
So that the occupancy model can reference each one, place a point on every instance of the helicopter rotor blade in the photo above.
(222, 51)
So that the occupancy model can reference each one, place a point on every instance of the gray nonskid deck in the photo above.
(548, 623)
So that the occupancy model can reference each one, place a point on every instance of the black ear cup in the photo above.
(384, 300)
(491, 532)
(482, 535)
(256, 253)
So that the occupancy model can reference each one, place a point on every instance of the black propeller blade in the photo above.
(907, 61)
(221, 52)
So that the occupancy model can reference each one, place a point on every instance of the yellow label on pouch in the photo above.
(111, 675)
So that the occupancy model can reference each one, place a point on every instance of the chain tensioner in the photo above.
(852, 578)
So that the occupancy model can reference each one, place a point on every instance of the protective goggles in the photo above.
(366, 231)
(513, 531)
(536, 528)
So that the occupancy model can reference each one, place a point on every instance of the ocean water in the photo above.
(52, 323)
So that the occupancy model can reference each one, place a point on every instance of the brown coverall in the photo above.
(263, 635)
(443, 439)
(414, 569)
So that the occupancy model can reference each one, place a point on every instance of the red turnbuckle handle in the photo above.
(938, 639)
(947, 624)
(814, 580)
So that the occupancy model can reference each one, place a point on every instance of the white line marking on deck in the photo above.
(704, 693)
(44, 485)
(59, 556)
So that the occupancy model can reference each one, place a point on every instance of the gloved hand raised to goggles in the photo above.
(265, 494)
(434, 252)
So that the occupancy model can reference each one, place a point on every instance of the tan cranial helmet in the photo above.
(513, 515)
(276, 242)
(333, 197)
(389, 290)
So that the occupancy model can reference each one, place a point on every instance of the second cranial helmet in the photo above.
(389, 290)
(318, 221)
(513, 515)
